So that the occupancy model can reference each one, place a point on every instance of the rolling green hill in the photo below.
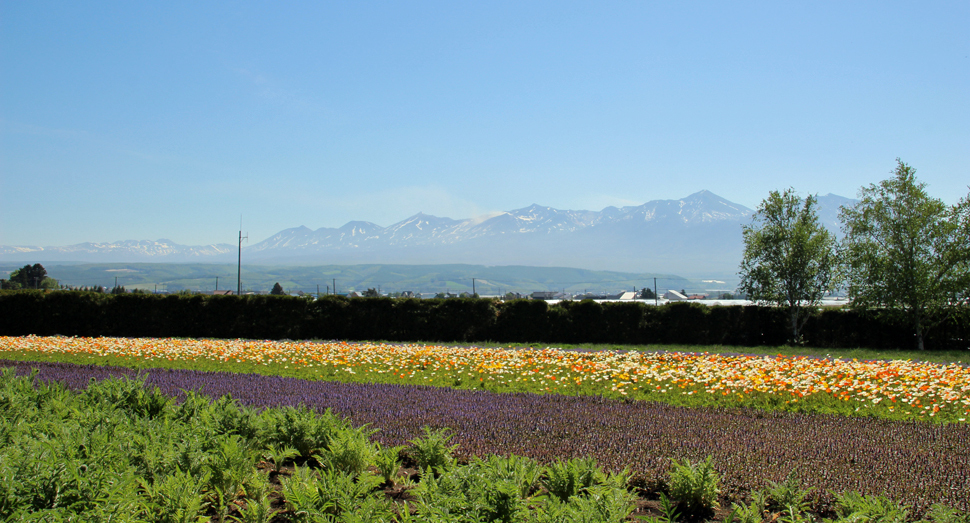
(489, 280)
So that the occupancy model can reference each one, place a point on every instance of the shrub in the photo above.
(877, 509)
(388, 462)
(604, 504)
(432, 450)
(571, 477)
(279, 455)
(786, 495)
(350, 451)
(299, 428)
(177, 497)
(695, 486)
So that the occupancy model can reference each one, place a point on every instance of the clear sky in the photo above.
(147, 120)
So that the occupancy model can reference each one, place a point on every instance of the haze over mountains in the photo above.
(694, 236)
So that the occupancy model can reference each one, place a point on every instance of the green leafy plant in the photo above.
(257, 485)
(670, 514)
(304, 499)
(177, 497)
(786, 495)
(300, 428)
(346, 490)
(668, 509)
(602, 504)
(695, 486)
(279, 455)
(350, 451)
(328, 493)
(521, 471)
(129, 395)
(388, 462)
(942, 514)
(565, 478)
(256, 511)
(853, 506)
(432, 450)
(258, 508)
(230, 464)
(477, 492)
(752, 512)
(793, 514)
(229, 417)
(195, 407)
(501, 502)
(369, 510)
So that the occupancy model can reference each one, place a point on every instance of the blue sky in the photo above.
(147, 120)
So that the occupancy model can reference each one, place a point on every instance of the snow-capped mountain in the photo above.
(828, 209)
(680, 231)
(697, 234)
(161, 250)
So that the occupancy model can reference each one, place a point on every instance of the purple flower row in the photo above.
(915, 463)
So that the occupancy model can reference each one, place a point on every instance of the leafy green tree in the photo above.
(789, 256)
(647, 294)
(908, 251)
(277, 290)
(29, 277)
(371, 293)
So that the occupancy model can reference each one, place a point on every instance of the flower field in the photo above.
(913, 463)
(891, 389)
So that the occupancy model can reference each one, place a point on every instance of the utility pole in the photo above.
(656, 299)
(318, 291)
(217, 283)
(473, 287)
(116, 282)
(239, 263)
(335, 286)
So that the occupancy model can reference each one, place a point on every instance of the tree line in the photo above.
(29, 277)
(901, 249)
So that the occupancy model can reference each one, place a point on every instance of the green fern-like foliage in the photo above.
(565, 478)
(388, 462)
(783, 495)
(853, 506)
(695, 486)
(350, 451)
(432, 450)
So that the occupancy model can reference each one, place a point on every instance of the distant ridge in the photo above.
(160, 250)
(454, 278)
(699, 234)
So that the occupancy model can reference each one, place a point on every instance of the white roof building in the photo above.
(673, 295)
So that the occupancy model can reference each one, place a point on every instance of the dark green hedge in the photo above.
(453, 320)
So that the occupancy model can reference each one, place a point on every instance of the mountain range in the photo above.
(694, 236)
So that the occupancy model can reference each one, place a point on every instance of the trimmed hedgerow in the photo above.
(456, 320)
